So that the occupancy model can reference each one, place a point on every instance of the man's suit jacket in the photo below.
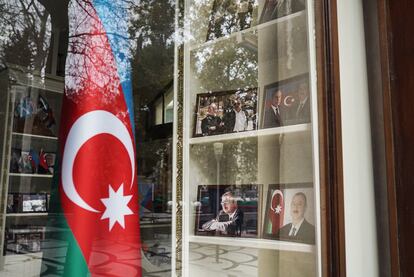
(229, 120)
(272, 120)
(305, 234)
(224, 225)
(208, 122)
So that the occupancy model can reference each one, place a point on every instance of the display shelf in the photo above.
(251, 134)
(237, 35)
(20, 76)
(31, 175)
(25, 133)
(160, 225)
(255, 243)
(19, 258)
(26, 214)
(33, 136)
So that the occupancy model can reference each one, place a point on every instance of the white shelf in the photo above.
(234, 35)
(26, 214)
(154, 225)
(251, 134)
(31, 175)
(19, 75)
(23, 257)
(34, 136)
(255, 243)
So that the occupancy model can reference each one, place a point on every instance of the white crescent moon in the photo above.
(286, 100)
(84, 128)
(278, 191)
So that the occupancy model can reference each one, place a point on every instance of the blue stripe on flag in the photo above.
(114, 17)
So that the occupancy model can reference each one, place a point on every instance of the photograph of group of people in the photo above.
(226, 112)
(229, 210)
(284, 103)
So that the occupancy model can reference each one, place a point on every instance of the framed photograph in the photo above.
(12, 203)
(27, 202)
(228, 16)
(46, 162)
(28, 243)
(286, 103)
(278, 8)
(289, 213)
(28, 162)
(228, 210)
(225, 112)
(33, 114)
(15, 160)
(34, 203)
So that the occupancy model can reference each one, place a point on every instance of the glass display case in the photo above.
(30, 125)
(250, 187)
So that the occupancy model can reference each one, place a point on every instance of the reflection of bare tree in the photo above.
(152, 30)
(90, 63)
(152, 33)
(155, 163)
(225, 65)
(211, 19)
(238, 165)
(25, 32)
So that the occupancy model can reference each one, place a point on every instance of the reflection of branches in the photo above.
(225, 65)
(239, 162)
(99, 34)
(94, 38)
(25, 29)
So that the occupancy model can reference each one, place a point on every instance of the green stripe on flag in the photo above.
(61, 253)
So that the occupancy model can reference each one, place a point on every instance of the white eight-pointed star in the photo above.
(278, 209)
(116, 207)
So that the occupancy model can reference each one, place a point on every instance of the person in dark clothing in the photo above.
(229, 221)
(212, 123)
(275, 115)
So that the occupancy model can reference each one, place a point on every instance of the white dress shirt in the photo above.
(295, 228)
(240, 122)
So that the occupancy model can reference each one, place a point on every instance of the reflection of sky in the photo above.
(114, 17)
(90, 66)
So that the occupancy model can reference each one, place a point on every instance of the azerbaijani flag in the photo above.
(97, 192)
(276, 212)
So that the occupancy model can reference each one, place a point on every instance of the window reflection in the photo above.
(25, 31)
(48, 40)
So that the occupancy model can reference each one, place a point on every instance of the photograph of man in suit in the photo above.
(299, 230)
(302, 108)
(275, 115)
(212, 123)
(229, 221)
(235, 120)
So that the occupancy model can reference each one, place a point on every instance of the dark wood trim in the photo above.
(330, 139)
(385, 44)
(397, 44)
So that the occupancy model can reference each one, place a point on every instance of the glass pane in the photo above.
(249, 161)
(59, 63)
